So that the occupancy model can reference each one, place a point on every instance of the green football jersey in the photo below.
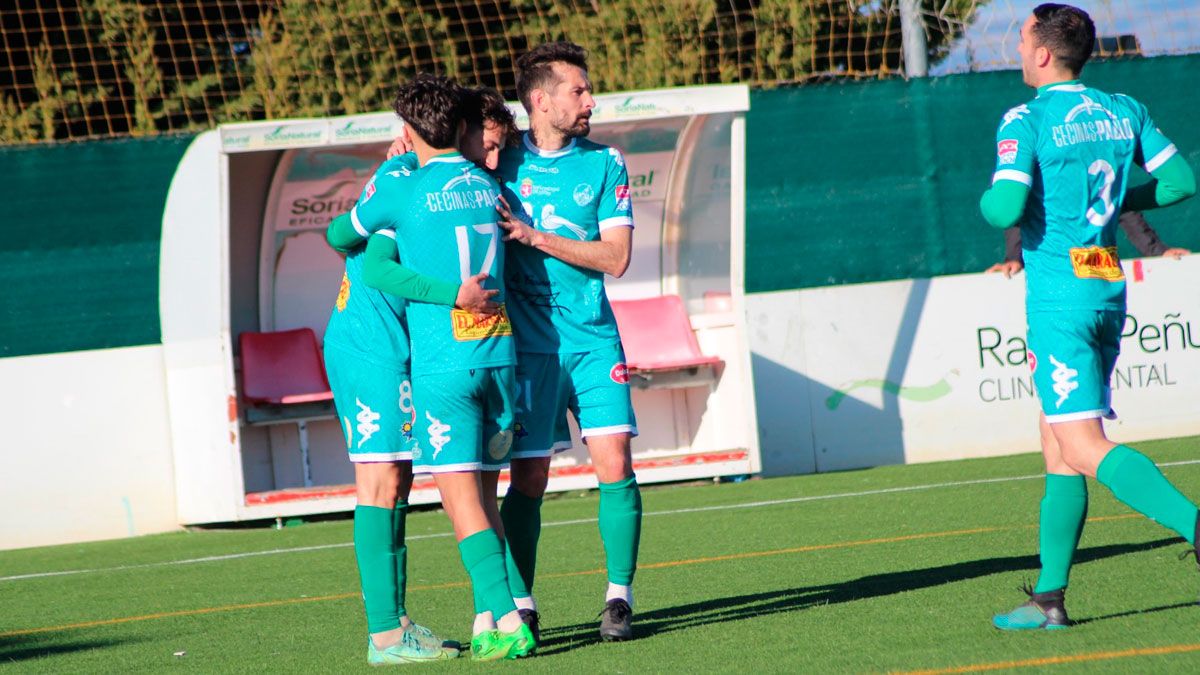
(365, 321)
(576, 192)
(1074, 147)
(445, 219)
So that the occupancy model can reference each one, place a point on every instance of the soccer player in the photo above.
(444, 218)
(573, 225)
(366, 357)
(1063, 163)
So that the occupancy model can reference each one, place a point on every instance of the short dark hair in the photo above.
(1068, 32)
(433, 106)
(484, 104)
(535, 67)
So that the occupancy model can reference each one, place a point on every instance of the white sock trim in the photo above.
(526, 603)
(619, 592)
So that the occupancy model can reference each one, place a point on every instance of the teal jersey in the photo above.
(444, 216)
(1074, 147)
(576, 192)
(365, 321)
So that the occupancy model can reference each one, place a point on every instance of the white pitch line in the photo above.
(560, 523)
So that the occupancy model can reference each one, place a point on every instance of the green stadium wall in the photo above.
(877, 181)
(82, 224)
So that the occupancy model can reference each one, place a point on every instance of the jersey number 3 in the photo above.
(1100, 218)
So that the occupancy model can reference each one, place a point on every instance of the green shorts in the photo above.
(464, 420)
(1072, 355)
(375, 405)
(593, 385)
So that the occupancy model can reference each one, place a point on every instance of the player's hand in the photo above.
(474, 298)
(399, 146)
(1175, 253)
(515, 228)
(1008, 268)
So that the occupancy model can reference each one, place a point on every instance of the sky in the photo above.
(990, 42)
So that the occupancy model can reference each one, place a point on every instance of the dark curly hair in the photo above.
(433, 106)
(535, 67)
(484, 104)
(1068, 32)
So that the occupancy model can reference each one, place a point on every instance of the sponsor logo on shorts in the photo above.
(1096, 262)
(406, 406)
(367, 419)
(1064, 380)
(584, 194)
(466, 327)
(619, 373)
(1032, 358)
(343, 293)
(1006, 150)
(439, 434)
(519, 430)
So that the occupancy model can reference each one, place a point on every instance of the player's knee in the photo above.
(530, 477)
(612, 466)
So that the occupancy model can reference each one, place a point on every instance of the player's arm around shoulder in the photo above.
(1016, 158)
(349, 230)
(383, 271)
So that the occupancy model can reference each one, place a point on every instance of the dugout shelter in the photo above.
(247, 285)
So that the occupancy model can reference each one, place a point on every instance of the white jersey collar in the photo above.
(547, 153)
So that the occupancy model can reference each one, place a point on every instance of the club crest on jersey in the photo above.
(619, 373)
(1006, 150)
(526, 187)
(622, 195)
(584, 194)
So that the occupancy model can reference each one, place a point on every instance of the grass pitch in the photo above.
(889, 569)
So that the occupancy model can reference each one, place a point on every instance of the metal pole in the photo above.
(912, 31)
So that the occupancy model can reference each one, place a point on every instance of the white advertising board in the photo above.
(934, 369)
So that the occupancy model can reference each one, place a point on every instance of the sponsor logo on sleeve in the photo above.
(1006, 150)
(622, 195)
(619, 373)
(369, 191)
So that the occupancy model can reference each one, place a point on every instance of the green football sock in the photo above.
(621, 528)
(483, 556)
(375, 550)
(399, 516)
(522, 517)
(1135, 480)
(1064, 509)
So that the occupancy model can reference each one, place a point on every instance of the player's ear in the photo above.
(540, 99)
(406, 135)
(1042, 57)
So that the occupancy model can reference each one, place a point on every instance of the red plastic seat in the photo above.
(657, 335)
(282, 368)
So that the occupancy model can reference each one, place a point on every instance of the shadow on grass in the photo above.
(15, 649)
(736, 608)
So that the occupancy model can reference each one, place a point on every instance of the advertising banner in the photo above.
(935, 369)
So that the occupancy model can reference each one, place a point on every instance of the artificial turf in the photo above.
(888, 569)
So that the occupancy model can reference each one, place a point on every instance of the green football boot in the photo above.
(493, 645)
(428, 637)
(1043, 611)
(410, 649)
